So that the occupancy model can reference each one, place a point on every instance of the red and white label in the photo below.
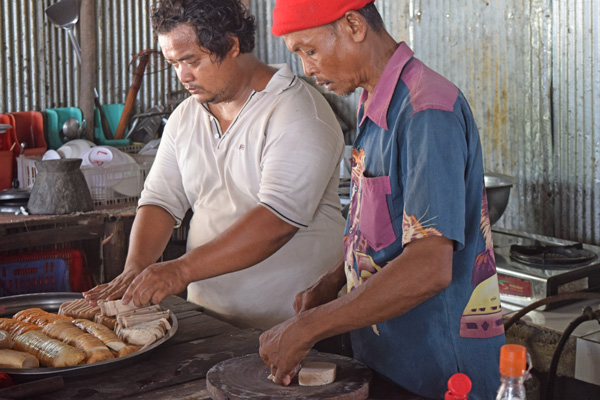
(100, 157)
(514, 286)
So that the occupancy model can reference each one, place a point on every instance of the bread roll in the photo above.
(144, 334)
(17, 359)
(39, 317)
(128, 350)
(15, 327)
(79, 308)
(68, 333)
(109, 322)
(115, 307)
(50, 352)
(129, 320)
(6, 341)
(107, 336)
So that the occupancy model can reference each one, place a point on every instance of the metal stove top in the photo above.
(522, 284)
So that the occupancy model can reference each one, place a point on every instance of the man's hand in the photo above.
(321, 292)
(112, 290)
(282, 348)
(150, 233)
(156, 282)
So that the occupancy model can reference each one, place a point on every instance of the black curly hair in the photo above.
(215, 22)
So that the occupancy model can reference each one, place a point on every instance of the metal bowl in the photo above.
(497, 188)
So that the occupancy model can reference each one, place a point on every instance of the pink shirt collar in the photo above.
(384, 90)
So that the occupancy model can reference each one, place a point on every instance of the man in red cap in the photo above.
(422, 298)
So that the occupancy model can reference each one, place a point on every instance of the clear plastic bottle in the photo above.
(513, 364)
(459, 386)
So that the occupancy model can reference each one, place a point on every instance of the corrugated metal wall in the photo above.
(531, 71)
(39, 70)
(576, 115)
(500, 54)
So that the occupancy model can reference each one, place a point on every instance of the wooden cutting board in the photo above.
(245, 377)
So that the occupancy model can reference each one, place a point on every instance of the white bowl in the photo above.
(74, 148)
(51, 155)
(105, 157)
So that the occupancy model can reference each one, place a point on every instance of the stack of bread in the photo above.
(138, 326)
(78, 334)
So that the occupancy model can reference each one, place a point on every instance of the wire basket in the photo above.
(120, 184)
(26, 171)
(131, 149)
(145, 162)
(36, 276)
(115, 184)
(60, 270)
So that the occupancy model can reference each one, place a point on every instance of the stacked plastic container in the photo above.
(61, 270)
(55, 119)
(27, 128)
(7, 145)
(113, 115)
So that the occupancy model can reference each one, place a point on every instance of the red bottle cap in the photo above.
(459, 386)
(5, 381)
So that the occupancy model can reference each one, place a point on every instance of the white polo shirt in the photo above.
(283, 152)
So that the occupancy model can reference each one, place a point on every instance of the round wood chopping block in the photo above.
(246, 377)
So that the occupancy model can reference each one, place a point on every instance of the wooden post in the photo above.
(89, 64)
(114, 251)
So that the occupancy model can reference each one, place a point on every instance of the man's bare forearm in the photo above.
(254, 237)
(150, 234)
(421, 272)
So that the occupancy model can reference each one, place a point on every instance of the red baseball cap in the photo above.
(296, 15)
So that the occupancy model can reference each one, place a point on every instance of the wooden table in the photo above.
(177, 369)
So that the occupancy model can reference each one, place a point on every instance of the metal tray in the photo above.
(9, 196)
(51, 302)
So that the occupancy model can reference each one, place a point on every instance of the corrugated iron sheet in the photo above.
(531, 73)
(500, 54)
(576, 115)
(39, 70)
(529, 69)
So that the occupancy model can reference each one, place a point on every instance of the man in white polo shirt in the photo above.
(254, 152)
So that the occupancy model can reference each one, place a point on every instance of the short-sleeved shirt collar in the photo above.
(283, 79)
(384, 90)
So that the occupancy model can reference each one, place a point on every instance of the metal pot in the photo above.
(497, 188)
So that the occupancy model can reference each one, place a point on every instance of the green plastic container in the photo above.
(113, 115)
(56, 118)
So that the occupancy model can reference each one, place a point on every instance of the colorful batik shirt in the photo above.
(418, 172)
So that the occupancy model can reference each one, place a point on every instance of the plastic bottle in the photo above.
(513, 364)
(459, 386)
